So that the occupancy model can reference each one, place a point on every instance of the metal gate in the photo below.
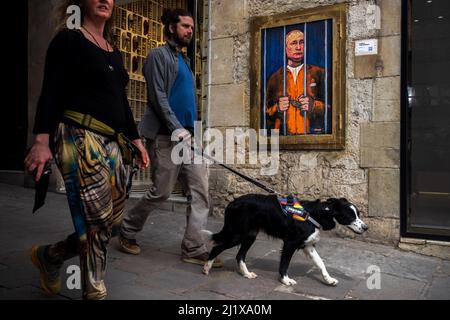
(137, 29)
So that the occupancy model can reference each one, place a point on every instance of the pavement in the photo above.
(365, 271)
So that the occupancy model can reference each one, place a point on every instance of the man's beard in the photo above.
(182, 42)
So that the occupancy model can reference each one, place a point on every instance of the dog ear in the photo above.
(334, 204)
(328, 224)
(331, 202)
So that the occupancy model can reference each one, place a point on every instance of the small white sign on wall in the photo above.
(366, 47)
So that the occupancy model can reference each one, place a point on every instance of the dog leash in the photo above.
(251, 180)
(243, 176)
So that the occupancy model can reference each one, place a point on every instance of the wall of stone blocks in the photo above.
(367, 171)
(41, 30)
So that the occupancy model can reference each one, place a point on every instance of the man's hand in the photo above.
(283, 104)
(306, 103)
(184, 135)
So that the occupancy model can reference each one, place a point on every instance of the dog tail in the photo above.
(207, 235)
(226, 233)
(218, 238)
(215, 238)
(223, 235)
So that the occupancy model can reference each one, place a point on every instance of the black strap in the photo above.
(243, 176)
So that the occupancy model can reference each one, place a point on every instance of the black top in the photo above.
(77, 77)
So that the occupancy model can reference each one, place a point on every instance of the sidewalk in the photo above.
(158, 272)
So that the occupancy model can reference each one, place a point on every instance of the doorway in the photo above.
(14, 128)
(426, 119)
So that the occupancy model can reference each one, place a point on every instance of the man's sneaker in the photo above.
(202, 259)
(129, 245)
(50, 279)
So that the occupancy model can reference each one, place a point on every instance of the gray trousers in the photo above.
(194, 180)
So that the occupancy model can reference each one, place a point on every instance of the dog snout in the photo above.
(358, 226)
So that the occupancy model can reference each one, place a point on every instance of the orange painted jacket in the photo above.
(294, 116)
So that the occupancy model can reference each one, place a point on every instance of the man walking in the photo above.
(171, 108)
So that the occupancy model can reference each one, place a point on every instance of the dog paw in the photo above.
(205, 270)
(288, 281)
(331, 281)
(251, 275)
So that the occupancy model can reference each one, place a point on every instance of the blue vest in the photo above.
(182, 95)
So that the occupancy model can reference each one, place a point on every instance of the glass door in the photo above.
(426, 119)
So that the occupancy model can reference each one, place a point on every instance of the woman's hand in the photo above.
(143, 159)
(39, 154)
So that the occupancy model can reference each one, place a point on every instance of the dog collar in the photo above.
(292, 207)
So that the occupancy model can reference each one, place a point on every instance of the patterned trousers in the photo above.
(94, 177)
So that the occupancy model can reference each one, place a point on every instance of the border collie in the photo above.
(249, 214)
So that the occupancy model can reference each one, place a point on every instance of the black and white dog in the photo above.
(249, 214)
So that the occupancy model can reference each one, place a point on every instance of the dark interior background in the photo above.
(15, 85)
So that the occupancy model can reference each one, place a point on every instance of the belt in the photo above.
(127, 148)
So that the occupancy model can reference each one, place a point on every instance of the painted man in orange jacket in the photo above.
(295, 102)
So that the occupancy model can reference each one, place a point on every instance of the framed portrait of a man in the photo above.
(298, 77)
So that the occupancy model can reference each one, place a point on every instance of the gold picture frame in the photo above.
(280, 45)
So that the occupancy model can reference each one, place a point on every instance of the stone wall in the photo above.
(40, 32)
(367, 171)
(41, 29)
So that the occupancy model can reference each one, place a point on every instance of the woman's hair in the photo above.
(172, 17)
(61, 17)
